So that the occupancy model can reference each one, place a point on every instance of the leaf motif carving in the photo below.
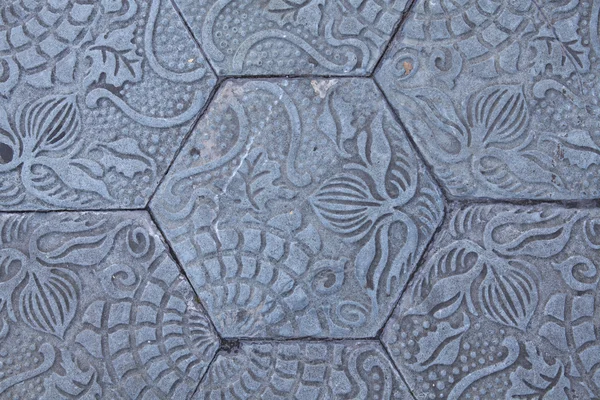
(77, 382)
(498, 115)
(440, 347)
(331, 122)
(74, 241)
(60, 181)
(452, 135)
(12, 262)
(13, 265)
(578, 148)
(49, 124)
(254, 185)
(125, 156)
(14, 227)
(10, 144)
(516, 169)
(538, 233)
(113, 56)
(394, 173)
(542, 381)
(453, 269)
(492, 129)
(399, 268)
(565, 54)
(508, 294)
(376, 155)
(306, 13)
(49, 300)
(346, 206)
(368, 262)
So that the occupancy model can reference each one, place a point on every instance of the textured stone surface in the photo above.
(501, 96)
(94, 307)
(504, 307)
(298, 208)
(95, 98)
(303, 371)
(344, 234)
(282, 37)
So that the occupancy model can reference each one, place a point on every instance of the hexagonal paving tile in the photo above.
(93, 103)
(504, 307)
(92, 306)
(298, 208)
(282, 37)
(501, 96)
(303, 371)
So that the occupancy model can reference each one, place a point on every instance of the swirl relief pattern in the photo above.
(504, 305)
(98, 308)
(94, 101)
(312, 217)
(280, 37)
(500, 97)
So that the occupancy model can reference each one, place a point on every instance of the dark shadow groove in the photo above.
(182, 272)
(185, 139)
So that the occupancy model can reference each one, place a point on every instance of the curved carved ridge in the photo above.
(88, 291)
(486, 307)
(75, 78)
(256, 219)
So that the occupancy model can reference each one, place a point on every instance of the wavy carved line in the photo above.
(242, 51)
(95, 95)
(296, 178)
(230, 155)
(208, 44)
(513, 353)
(49, 356)
(181, 77)
(364, 49)
(173, 200)
(377, 360)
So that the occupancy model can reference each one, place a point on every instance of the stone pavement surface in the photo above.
(307, 199)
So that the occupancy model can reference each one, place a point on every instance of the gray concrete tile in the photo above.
(94, 307)
(303, 371)
(501, 96)
(298, 208)
(284, 37)
(321, 259)
(504, 307)
(95, 98)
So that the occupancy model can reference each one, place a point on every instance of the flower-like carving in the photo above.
(72, 286)
(492, 130)
(367, 201)
(505, 285)
(43, 143)
(506, 295)
(47, 302)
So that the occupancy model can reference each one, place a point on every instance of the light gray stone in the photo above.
(501, 96)
(283, 37)
(92, 306)
(298, 208)
(95, 98)
(503, 307)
